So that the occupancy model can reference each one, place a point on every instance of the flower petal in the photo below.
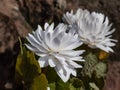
(43, 61)
(52, 62)
(63, 74)
(46, 26)
(71, 52)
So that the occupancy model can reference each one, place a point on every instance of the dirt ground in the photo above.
(18, 17)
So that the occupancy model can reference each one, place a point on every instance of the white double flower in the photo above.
(55, 48)
(93, 29)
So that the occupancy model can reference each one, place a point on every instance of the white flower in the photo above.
(72, 18)
(93, 29)
(55, 48)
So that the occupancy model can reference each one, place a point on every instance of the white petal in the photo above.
(63, 74)
(34, 42)
(55, 43)
(47, 39)
(71, 52)
(103, 48)
(110, 49)
(46, 26)
(43, 61)
(78, 58)
(110, 32)
(73, 72)
(52, 62)
(34, 49)
(73, 45)
(74, 64)
(50, 29)
(61, 28)
(60, 58)
(39, 29)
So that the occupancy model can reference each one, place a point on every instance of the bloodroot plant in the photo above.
(55, 48)
(71, 56)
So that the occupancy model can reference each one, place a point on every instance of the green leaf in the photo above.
(52, 86)
(93, 71)
(39, 83)
(77, 83)
(93, 86)
(28, 71)
(100, 82)
(51, 75)
(60, 85)
(100, 70)
(89, 66)
(73, 88)
(92, 65)
(21, 49)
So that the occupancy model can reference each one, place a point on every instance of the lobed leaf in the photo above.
(28, 72)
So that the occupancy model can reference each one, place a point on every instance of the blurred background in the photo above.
(18, 17)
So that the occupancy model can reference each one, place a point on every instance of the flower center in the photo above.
(51, 52)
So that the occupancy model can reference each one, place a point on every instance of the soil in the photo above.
(18, 17)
